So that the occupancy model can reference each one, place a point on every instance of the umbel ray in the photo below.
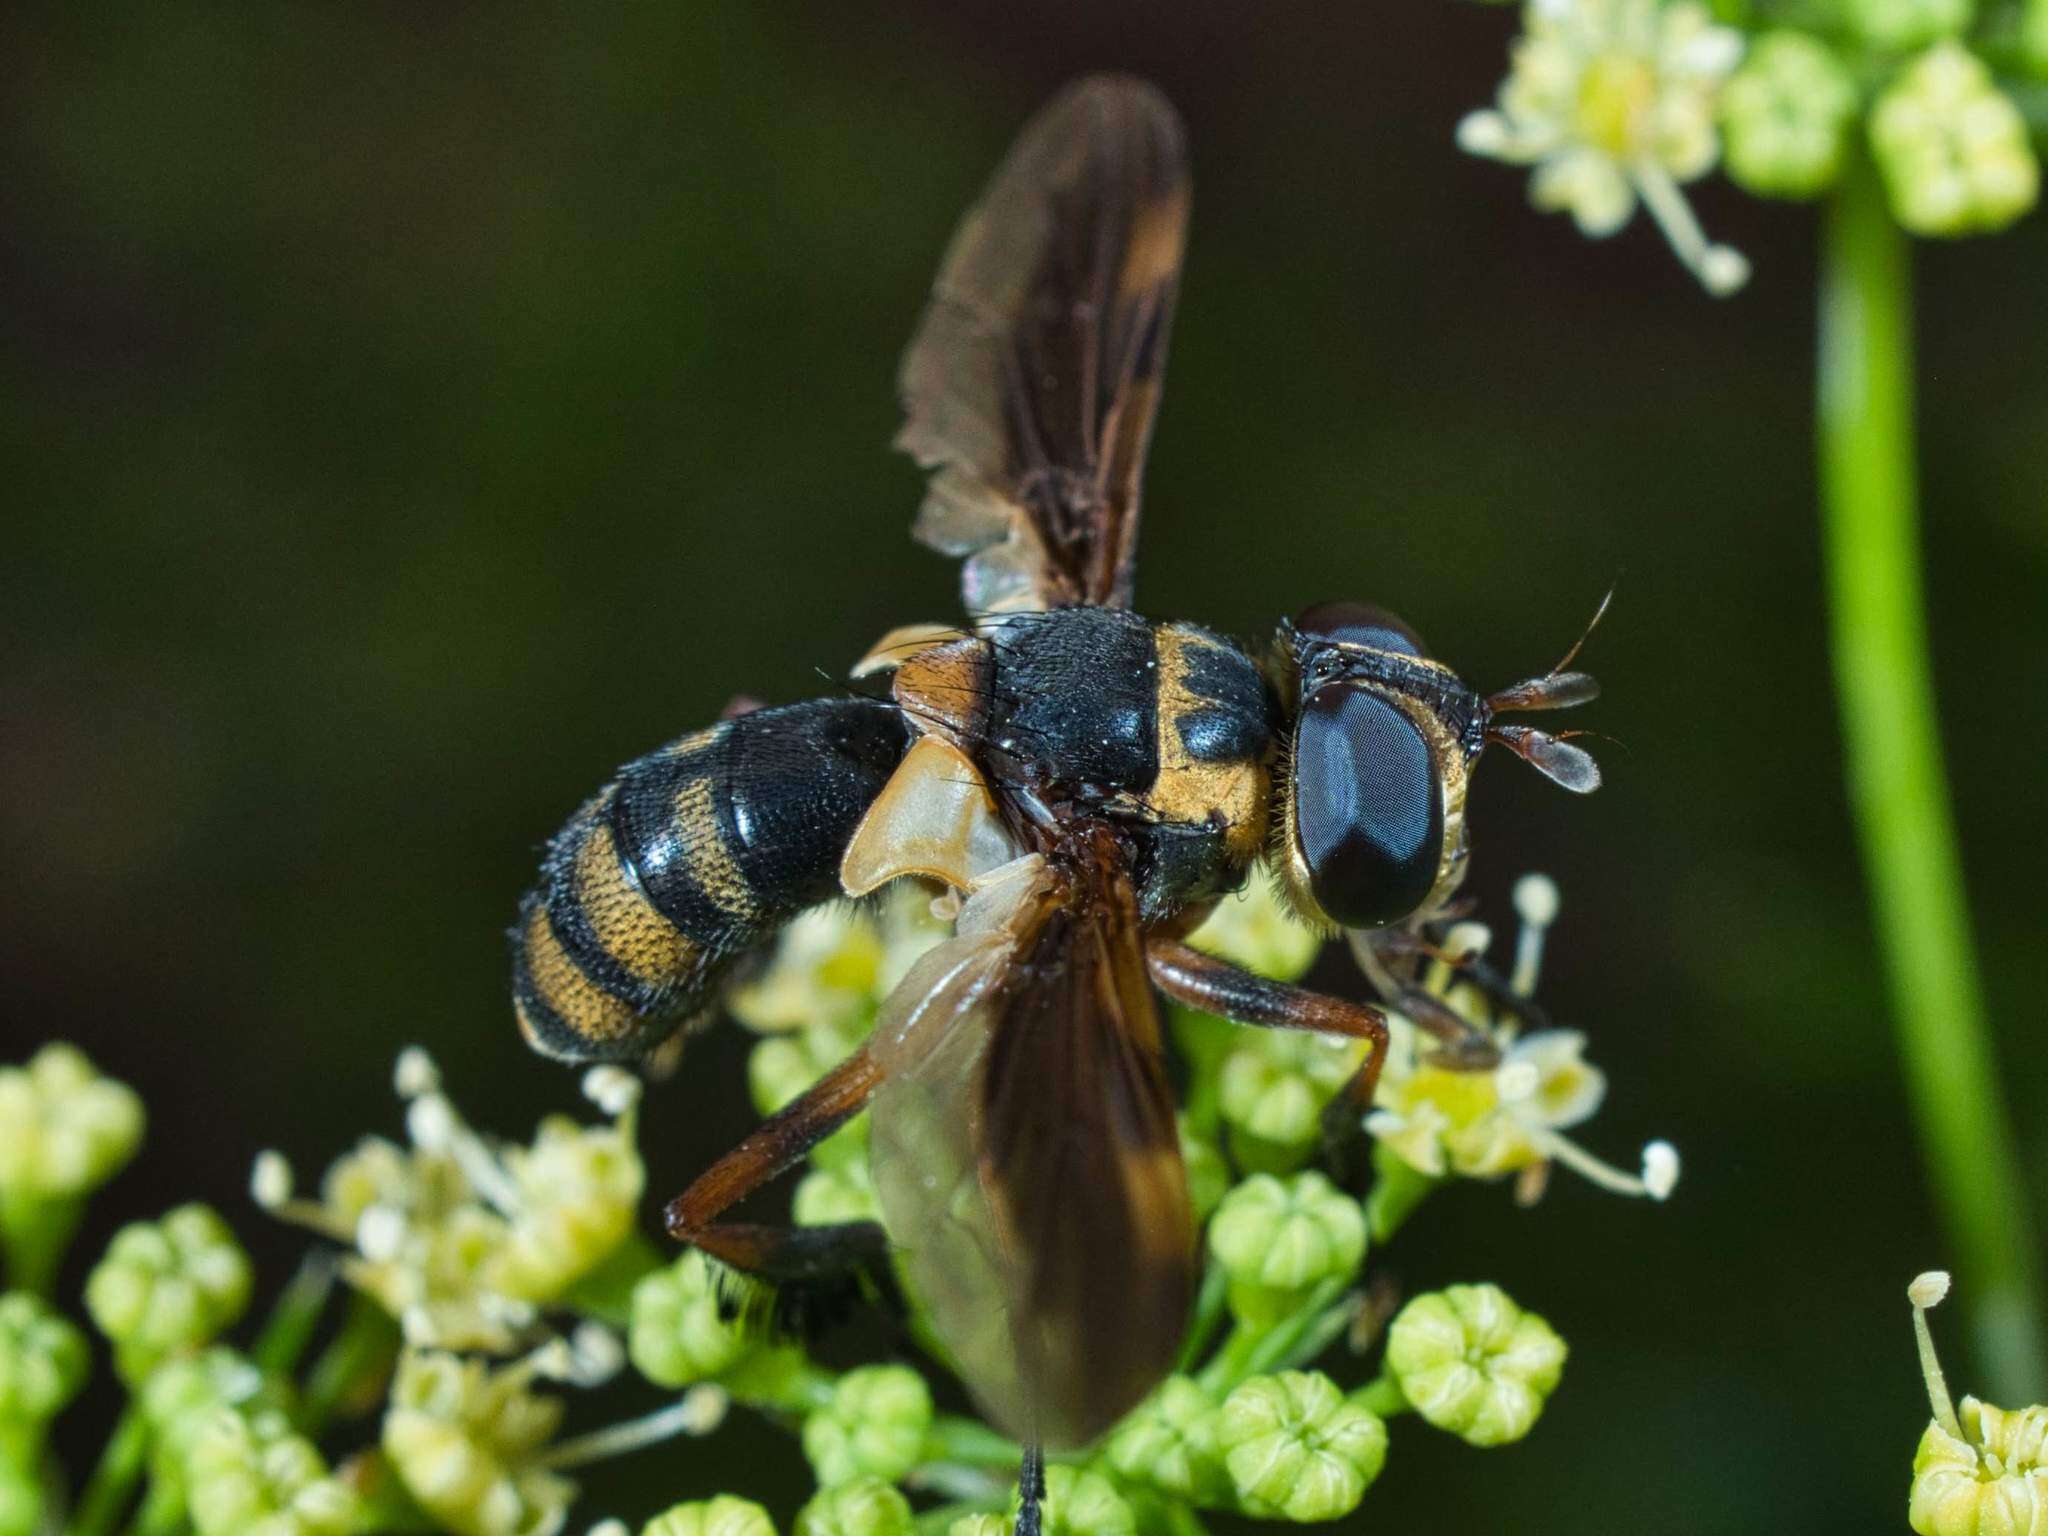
(1084, 781)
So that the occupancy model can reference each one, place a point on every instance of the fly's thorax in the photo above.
(1382, 745)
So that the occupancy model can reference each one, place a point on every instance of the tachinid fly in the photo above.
(1083, 781)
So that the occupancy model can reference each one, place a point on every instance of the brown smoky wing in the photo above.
(1031, 385)
(1083, 1159)
(1026, 1157)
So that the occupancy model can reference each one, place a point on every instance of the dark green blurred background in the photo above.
(411, 411)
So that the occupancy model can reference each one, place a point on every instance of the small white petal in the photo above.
(609, 1528)
(612, 1089)
(270, 1180)
(1660, 1169)
(1928, 1290)
(431, 1122)
(1484, 133)
(599, 1354)
(416, 1073)
(1515, 1081)
(380, 1234)
(554, 1360)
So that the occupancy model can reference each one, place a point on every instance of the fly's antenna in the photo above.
(1551, 753)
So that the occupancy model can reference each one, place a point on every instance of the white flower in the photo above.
(462, 1238)
(1482, 1125)
(1613, 101)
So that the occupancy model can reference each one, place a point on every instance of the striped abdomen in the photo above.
(691, 856)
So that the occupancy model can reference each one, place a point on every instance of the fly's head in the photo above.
(1384, 741)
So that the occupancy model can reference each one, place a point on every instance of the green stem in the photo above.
(289, 1328)
(162, 1512)
(34, 1235)
(1383, 1396)
(351, 1368)
(113, 1480)
(1208, 1314)
(1897, 786)
(955, 1438)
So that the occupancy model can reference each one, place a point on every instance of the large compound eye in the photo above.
(1368, 807)
(1358, 624)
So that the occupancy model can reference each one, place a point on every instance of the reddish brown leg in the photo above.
(1216, 986)
(782, 1254)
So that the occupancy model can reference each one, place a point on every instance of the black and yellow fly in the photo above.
(1084, 781)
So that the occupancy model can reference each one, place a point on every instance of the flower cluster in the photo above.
(1620, 102)
(1979, 1470)
(484, 1277)
(464, 1240)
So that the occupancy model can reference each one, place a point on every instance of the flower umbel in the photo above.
(1296, 1449)
(254, 1477)
(467, 1441)
(874, 1426)
(64, 1129)
(167, 1286)
(1979, 1470)
(1472, 1362)
(1953, 148)
(42, 1361)
(1441, 1120)
(463, 1239)
(1613, 102)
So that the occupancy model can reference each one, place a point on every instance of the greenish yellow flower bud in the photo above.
(1079, 1503)
(826, 1197)
(867, 1506)
(1257, 929)
(1953, 148)
(679, 1333)
(875, 1426)
(1785, 116)
(43, 1360)
(722, 1516)
(1472, 1362)
(466, 1442)
(1273, 1084)
(1296, 1450)
(254, 1477)
(1991, 1480)
(1277, 1238)
(1169, 1443)
(1898, 26)
(182, 1396)
(578, 1189)
(64, 1129)
(167, 1286)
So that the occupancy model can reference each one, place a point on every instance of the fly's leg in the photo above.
(1216, 986)
(806, 1265)
(1031, 1491)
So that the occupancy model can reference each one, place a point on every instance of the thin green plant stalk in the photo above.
(1898, 789)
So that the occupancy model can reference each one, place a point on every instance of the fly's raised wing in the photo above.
(1026, 1158)
(1031, 385)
